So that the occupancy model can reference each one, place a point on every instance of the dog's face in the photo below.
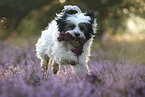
(78, 24)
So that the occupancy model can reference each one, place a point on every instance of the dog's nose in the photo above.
(77, 34)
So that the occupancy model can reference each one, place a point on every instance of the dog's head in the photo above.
(80, 25)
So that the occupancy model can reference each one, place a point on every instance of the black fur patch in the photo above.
(71, 12)
(91, 14)
(61, 22)
(86, 28)
(69, 26)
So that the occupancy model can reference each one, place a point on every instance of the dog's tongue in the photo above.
(69, 38)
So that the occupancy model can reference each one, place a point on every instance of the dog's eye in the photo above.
(71, 26)
(83, 27)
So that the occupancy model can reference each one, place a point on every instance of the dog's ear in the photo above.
(93, 20)
(91, 15)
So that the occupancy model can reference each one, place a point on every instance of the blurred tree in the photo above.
(102, 9)
(16, 10)
(112, 10)
(109, 13)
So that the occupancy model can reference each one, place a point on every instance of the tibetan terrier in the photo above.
(67, 40)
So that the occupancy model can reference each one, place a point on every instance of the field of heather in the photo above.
(117, 70)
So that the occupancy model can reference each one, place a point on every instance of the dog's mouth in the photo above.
(78, 43)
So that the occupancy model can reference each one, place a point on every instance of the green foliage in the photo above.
(110, 14)
(120, 47)
(16, 10)
(29, 28)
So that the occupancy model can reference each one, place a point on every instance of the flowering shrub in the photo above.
(21, 76)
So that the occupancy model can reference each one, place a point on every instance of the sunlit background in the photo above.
(117, 62)
(120, 32)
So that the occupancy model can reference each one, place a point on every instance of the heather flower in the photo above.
(21, 76)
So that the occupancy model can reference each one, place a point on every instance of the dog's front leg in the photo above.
(55, 68)
(80, 69)
(44, 65)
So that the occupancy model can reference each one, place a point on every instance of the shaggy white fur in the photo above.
(60, 51)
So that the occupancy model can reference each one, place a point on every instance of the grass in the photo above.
(117, 48)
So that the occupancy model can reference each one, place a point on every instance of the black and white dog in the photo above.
(67, 40)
